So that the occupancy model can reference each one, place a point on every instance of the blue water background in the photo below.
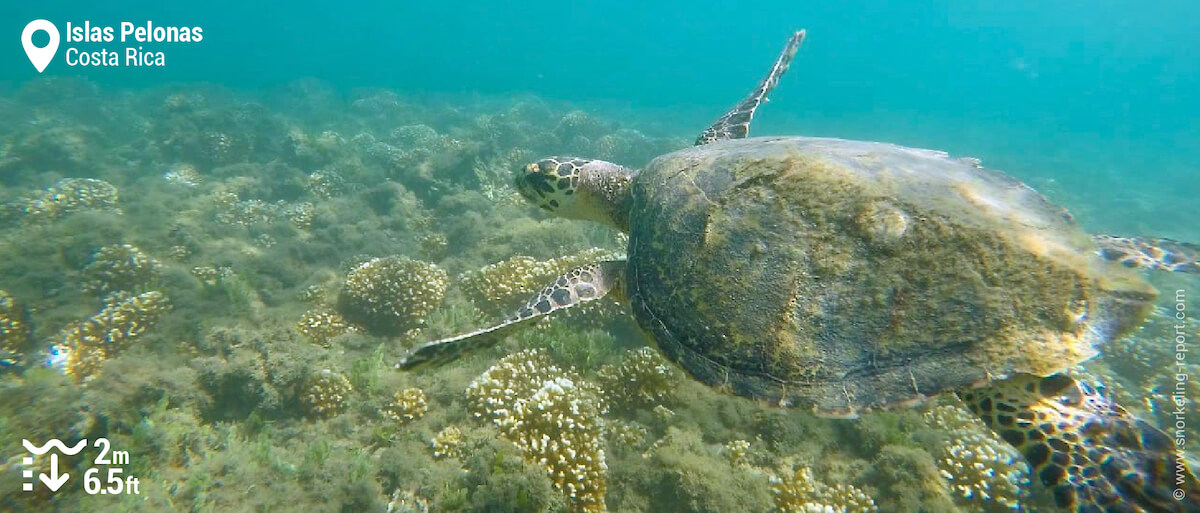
(1093, 102)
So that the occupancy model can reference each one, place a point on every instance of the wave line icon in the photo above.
(54, 443)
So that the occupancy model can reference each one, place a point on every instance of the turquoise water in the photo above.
(263, 169)
(1074, 91)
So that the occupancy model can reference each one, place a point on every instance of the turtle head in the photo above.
(577, 188)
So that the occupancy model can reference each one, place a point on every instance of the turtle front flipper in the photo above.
(580, 285)
(735, 124)
(1092, 454)
(1151, 253)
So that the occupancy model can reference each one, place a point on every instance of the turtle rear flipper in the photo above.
(1088, 451)
(735, 124)
(1151, 253)
(580, 285)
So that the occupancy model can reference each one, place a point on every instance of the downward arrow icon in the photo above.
(54, 481)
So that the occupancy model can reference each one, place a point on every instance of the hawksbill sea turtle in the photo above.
(849, 276)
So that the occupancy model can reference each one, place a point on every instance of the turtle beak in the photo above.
(521, 181)
(531, 183)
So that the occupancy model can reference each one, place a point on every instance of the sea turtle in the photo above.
(849, 276)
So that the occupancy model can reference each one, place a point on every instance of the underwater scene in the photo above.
(567, 257)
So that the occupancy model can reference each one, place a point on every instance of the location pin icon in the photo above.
(40, 57)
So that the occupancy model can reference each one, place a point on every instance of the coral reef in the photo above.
(553, 416)
(737, 451)
(322, 325)
(393, 295)
(408, 405)
(977, 465)
(625, 435)
(85, 345)
(449, 443)
(183, 175)
(326, 393)
(325, 184)
(230, 209)
(120, 267)
(642, 378)
(69, 195)
(800, 492)
(301, 214)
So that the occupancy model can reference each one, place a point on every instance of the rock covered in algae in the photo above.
(407, 405)
(83, 346)
(800, 492)
(69, 195)
(981, 469)
(643, 377)
(326, 393)
(553, 416)
(14, 329)
(119, 267)
(393, 295)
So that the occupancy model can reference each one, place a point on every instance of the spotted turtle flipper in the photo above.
(1151, 253)
(1089, 452)
(735, 124)
(580, 285)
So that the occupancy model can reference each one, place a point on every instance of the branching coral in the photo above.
(322, 325)
(408, 405)
(233, 210)
(211, 276)
(416, 151)
(560, 428)
(183, 175)
(67, 196)
(449, 443)
(737, 451)
(119, 267)
(553, 416)
(85, 345)
(643, 377)
(625, 435)
(301, 214)
(326, 394)
(800, 492)
(976, 464)
(495, 173)
(325, 184)
(393, 295)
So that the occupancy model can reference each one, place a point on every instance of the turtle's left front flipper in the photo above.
(1151, 253)
(580, 285)
(735, 124)
(1090, 452)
